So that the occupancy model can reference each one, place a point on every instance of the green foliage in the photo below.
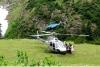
(20, 30)
(3, 61)
(76, 39)
(96, 41)
(33, 14)
(33, 63)
(22, 58)
(78, 17)
(47, 61)
(12, 30)
(80, 40)
(90, 12)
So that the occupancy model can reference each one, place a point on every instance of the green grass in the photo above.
(85, 54)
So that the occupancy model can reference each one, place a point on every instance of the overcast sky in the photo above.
(3, 21)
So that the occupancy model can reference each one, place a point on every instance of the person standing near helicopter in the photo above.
(69, 47)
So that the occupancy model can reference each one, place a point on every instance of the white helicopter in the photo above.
(53, 42)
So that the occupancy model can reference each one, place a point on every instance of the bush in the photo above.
(34, 63)
(47, 61)
(3, 62)
(96, 41)
(80, 40)
(22, 58)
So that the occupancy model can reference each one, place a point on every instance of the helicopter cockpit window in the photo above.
(56, 39)
(50, 43)
(53, 45)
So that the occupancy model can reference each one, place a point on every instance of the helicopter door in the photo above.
(53, 46)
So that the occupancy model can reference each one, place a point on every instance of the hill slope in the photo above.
(85, 54)
(79, 17)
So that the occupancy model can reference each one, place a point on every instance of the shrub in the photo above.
(80, 40)
(22, 58)
(34, 63)
(3, 62)
(48, 61)
(96, 41)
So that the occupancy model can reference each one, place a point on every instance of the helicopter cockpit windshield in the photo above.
(52, 38)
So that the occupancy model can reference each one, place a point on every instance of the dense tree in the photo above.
(78, 17)
(0, 31)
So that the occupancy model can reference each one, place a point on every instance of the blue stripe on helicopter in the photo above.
(52, 25)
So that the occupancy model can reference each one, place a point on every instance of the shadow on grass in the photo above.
(56, 53)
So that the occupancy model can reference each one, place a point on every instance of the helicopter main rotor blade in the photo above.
(46, 32)
(40, 35)
(81, 35)
(54, 33)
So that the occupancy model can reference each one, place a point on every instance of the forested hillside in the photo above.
(77, 16)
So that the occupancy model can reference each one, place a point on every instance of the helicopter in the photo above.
(54, 44)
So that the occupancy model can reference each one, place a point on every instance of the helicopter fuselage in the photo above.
(56, 45)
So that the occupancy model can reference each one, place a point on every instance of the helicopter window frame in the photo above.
(51, 44)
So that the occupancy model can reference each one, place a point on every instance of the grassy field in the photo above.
(85, 54)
